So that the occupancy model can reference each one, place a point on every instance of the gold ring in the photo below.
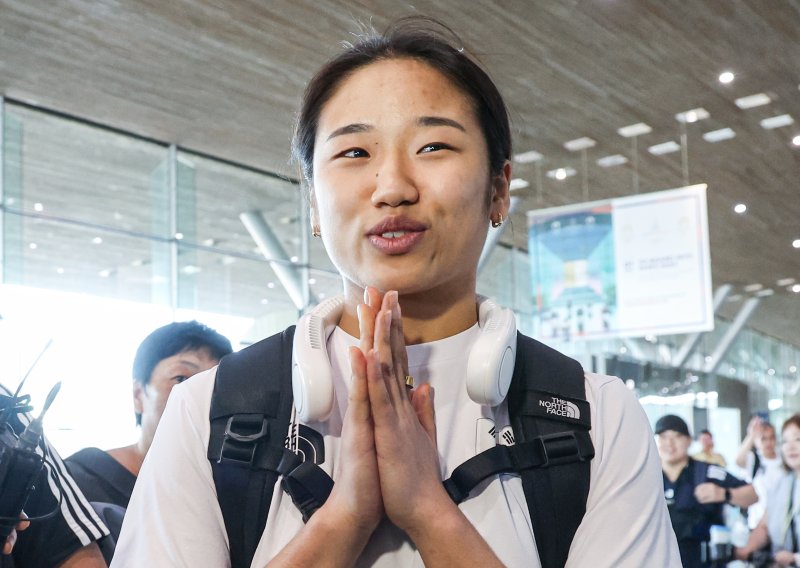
(409, 382)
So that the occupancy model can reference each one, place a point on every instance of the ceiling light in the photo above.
(785, 282)
(777, 121)
(664, 148)
(692, 115)
(178, 236)
(518, 183)
(60, 270)
(770, 372)
(765, 293)
(796, 288)
(792, 369)
(294, 258)
(561, 173)
(264, 301)
(726, 77)
(753, 101)
(190, 269)
(210, 242)
(312, 280)
(796, 243)
(734, 297)
(33, 246)
(579, 144)
(634, 130)
(38, 207)
(796, 140)
(97, 240)
(609, 161)
(527, 157)
(753, 287)
(227, 260)
(740, 208)
(719, 135)
(270, 285)
(104, 273)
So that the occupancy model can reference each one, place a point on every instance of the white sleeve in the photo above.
(626, 523)
(173, 518)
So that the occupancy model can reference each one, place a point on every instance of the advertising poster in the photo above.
(632, 266)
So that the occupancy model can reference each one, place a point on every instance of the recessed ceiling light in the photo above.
(210, 242)
(518, 183)
(796, 243)
(60, 270)
(765, 293)
(740, 208)
(579, 144)
(796, 288)
(753, 101)
(104, 273)
(178, 236)
(270, 285)
(561, 173)
(785, 282)
(796, 140)
(726, 77)
(33, 246)
(97, 240)
(777, 121)
(38, 207)
(190, 269)
(692, 115)
(792, 368)
(719, 135)
(634, 130)
(527, 157)
(264, 301)
(312, 280)
(753, 287)
(770, 372)
(615, 160)
(664, 148)
(294, 258)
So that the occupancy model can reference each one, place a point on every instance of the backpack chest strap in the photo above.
(544, 451)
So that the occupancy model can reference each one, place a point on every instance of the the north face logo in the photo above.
(561, 407)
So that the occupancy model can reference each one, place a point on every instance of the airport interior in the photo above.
(146, 177)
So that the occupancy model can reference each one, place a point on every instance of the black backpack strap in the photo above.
(250, 413)
(547, 401)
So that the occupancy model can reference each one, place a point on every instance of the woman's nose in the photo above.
(395, 184)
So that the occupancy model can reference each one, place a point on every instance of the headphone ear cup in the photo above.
(490, 366)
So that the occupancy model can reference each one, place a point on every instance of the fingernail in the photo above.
(366, 295)
(359, 313)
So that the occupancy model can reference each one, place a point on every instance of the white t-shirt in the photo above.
(770, 472)
(174, 519)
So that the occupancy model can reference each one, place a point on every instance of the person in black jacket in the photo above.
(695, 491)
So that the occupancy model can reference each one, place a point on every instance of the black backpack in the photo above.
(250, 415)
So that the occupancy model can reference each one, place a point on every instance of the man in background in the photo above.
(760, 463)
(168, 356)
(707, 453)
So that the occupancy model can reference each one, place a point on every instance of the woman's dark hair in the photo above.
(413, 37)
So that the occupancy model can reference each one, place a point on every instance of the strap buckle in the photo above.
(561, 448)
(242, 435)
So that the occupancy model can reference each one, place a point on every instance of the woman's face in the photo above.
(401, 186)
(790, 446)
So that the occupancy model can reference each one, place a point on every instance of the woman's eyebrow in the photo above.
(349, 129)
(440, 121)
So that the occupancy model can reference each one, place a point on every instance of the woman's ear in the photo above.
(501, 196)
(313, 216)
(138, 395)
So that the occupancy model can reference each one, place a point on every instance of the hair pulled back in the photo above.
(414, 37)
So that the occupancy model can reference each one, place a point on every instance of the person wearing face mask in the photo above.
(405, 149)
(780, 525)
(761, 464)
(695, 491)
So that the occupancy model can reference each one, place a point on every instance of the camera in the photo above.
(21, 459)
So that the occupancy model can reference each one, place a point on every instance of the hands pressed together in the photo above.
(389, 461)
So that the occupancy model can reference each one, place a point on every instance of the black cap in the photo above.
(672, 422)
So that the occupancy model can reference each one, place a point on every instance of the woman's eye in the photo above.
(355, 153)
(180, 378)
(433, 147)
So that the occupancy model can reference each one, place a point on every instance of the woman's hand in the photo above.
(404, 424)
(356, 493)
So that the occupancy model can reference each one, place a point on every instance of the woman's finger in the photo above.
(383, 346)
(359, 395)
(379, 400)
(423, 402)
(366, 327)
(398, 340)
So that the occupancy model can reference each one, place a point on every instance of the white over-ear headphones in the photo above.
(489, 367)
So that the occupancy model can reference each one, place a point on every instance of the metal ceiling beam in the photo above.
(288, 274)
(494, 236)
(693, 339)
(725, 343)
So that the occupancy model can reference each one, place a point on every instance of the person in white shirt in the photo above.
(405, 146)
(760, 464)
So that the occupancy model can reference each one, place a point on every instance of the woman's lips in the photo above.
(396, 242)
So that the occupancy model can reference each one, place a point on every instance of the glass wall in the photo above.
(105, 235)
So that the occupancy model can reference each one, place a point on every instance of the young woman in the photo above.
(405, 147)
(780, 524)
